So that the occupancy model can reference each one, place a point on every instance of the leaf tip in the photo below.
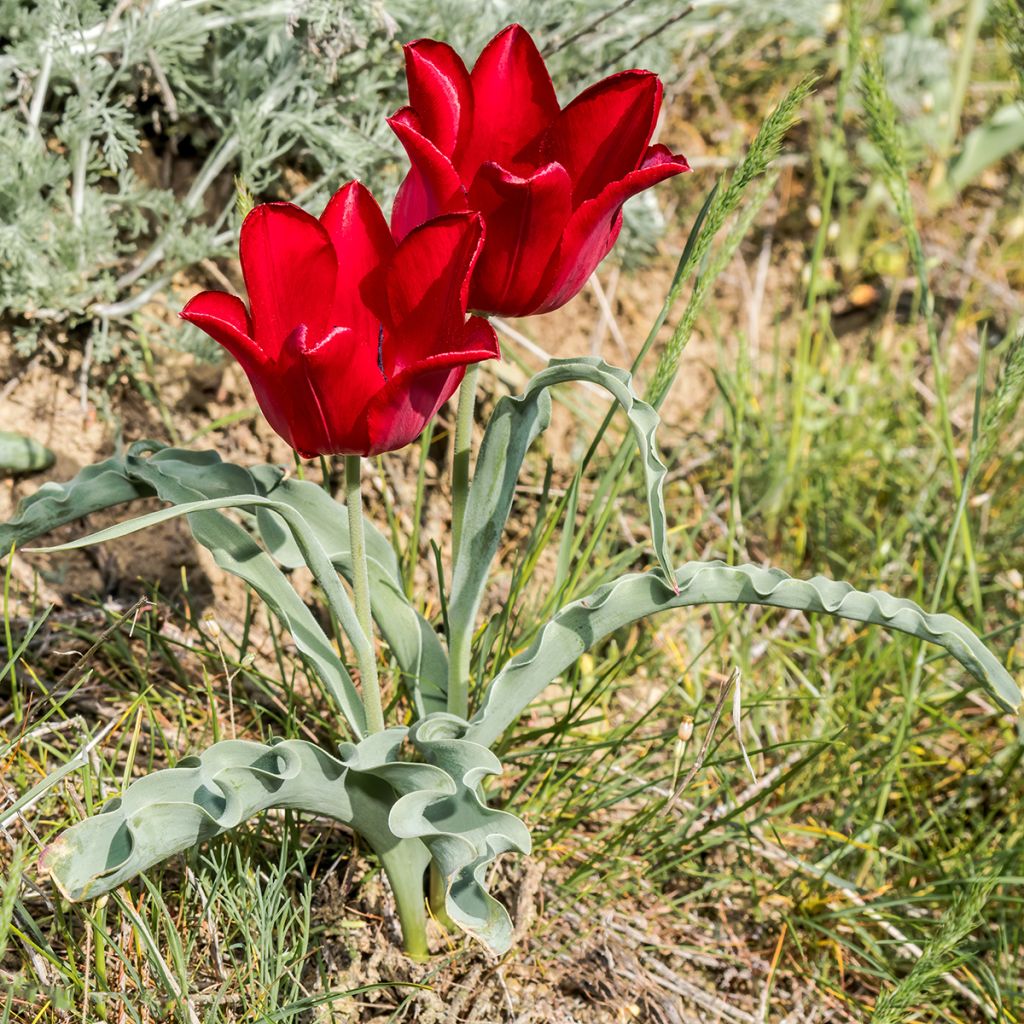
(51, 859)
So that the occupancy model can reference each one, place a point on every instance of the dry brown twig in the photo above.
(716, 715)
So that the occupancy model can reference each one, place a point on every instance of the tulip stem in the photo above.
(365, 655)
(463, 449)
(403, 864)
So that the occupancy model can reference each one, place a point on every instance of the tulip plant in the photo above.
(355, 334)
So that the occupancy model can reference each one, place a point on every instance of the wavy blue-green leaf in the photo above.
(22, 454)
(463, 834)
(580, 625)
(202, 471)
(150, 469)
(174, 809)
(185, 477)
(514, 424)
(96, 487)
(408, 812)
(235, 550)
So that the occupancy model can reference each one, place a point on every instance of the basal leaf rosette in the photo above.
(447, 811)
(408, 812)
(174, 809)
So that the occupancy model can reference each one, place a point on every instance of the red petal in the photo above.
(431, 187)
(480, 339)
(514, 101)
(603, 134)
(525, 219)
(341, 383)
(290, 270)
(428, 289)
(399, 412)
(440, 93)
(225, 319)
(363, 243)
(593, 228)
(314, 397)
(406, 405)
(285, 399)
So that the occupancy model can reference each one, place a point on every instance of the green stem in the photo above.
(361, 586)
(459, 657)
(914, 686)
(463, 448)
(967, 483)
(325, 473)
(405, 876)
(961, 79)
(687, 262)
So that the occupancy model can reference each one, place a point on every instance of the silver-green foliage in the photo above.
(101, 93)
(187, 480)
(21, 454)
(107, 106)
(408, 811)
(512, 428)
(584, 623)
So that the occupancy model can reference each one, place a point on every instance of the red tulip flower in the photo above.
(352, 342)
(549, 182)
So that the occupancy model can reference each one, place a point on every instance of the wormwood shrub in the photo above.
(122, 124)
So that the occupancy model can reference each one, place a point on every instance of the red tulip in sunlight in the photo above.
(351, 342)
(549, 182)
